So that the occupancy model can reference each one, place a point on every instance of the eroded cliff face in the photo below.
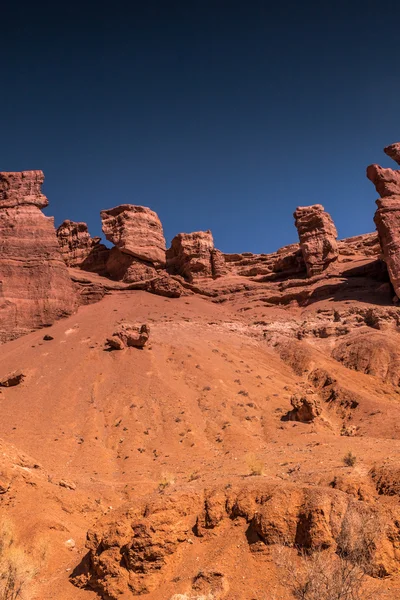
(35, 287)
(387, 216)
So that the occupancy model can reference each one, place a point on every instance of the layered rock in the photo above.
(135, 230)
(22, 188)
(387, 216)
(193, 256)
(128, 269)
(138, 236)
(317, 235)
(78, 249)
(35, 288)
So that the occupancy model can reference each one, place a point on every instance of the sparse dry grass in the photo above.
(255, 465)
(17, 569)
(166, 480)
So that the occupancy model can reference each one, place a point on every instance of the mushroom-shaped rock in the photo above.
(135, 230)
(317, 235)
(128, 335)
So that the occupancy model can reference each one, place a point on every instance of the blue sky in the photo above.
(221, 115)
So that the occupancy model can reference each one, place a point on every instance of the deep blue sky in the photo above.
(217, 114)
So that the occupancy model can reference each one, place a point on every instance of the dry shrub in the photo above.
(166, 480)
(350, 459)
(255, 465)
(16, 567)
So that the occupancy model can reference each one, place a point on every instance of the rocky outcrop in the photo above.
(306, 408)
(136, 549)
(128, 335)
(127, 268)
(193, 256)
(78, 249)
(35, 288)
(317, 235)
(371, 352)
(138, 236)
(22, 188)
(393, 151)
(135, 230)
(386, 181)
(387, 216)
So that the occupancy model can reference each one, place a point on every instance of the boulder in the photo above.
(78, 249)
(317, 235)
(128, 335)
(306, 408)
(35, 287)
(193, 256)
(135, 230)
(12, 379)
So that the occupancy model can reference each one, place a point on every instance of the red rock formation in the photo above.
(387, 217)
(22, 187)
(78, 249)
(394, 152)
(35, 288)
(193, 256)
(135, 230)
(125, 267)
(386, 181)
(129, 336)
(317, 234)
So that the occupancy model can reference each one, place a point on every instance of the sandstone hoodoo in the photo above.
(139, 243)
(35, 288)
(78, 249)
(317, 235)
(193, 256)
(387, 216)
(135, 230)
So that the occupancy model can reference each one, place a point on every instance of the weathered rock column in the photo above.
(317, 235)
(35, 288)
(193, 256)
(138, 236)
(387, 216)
